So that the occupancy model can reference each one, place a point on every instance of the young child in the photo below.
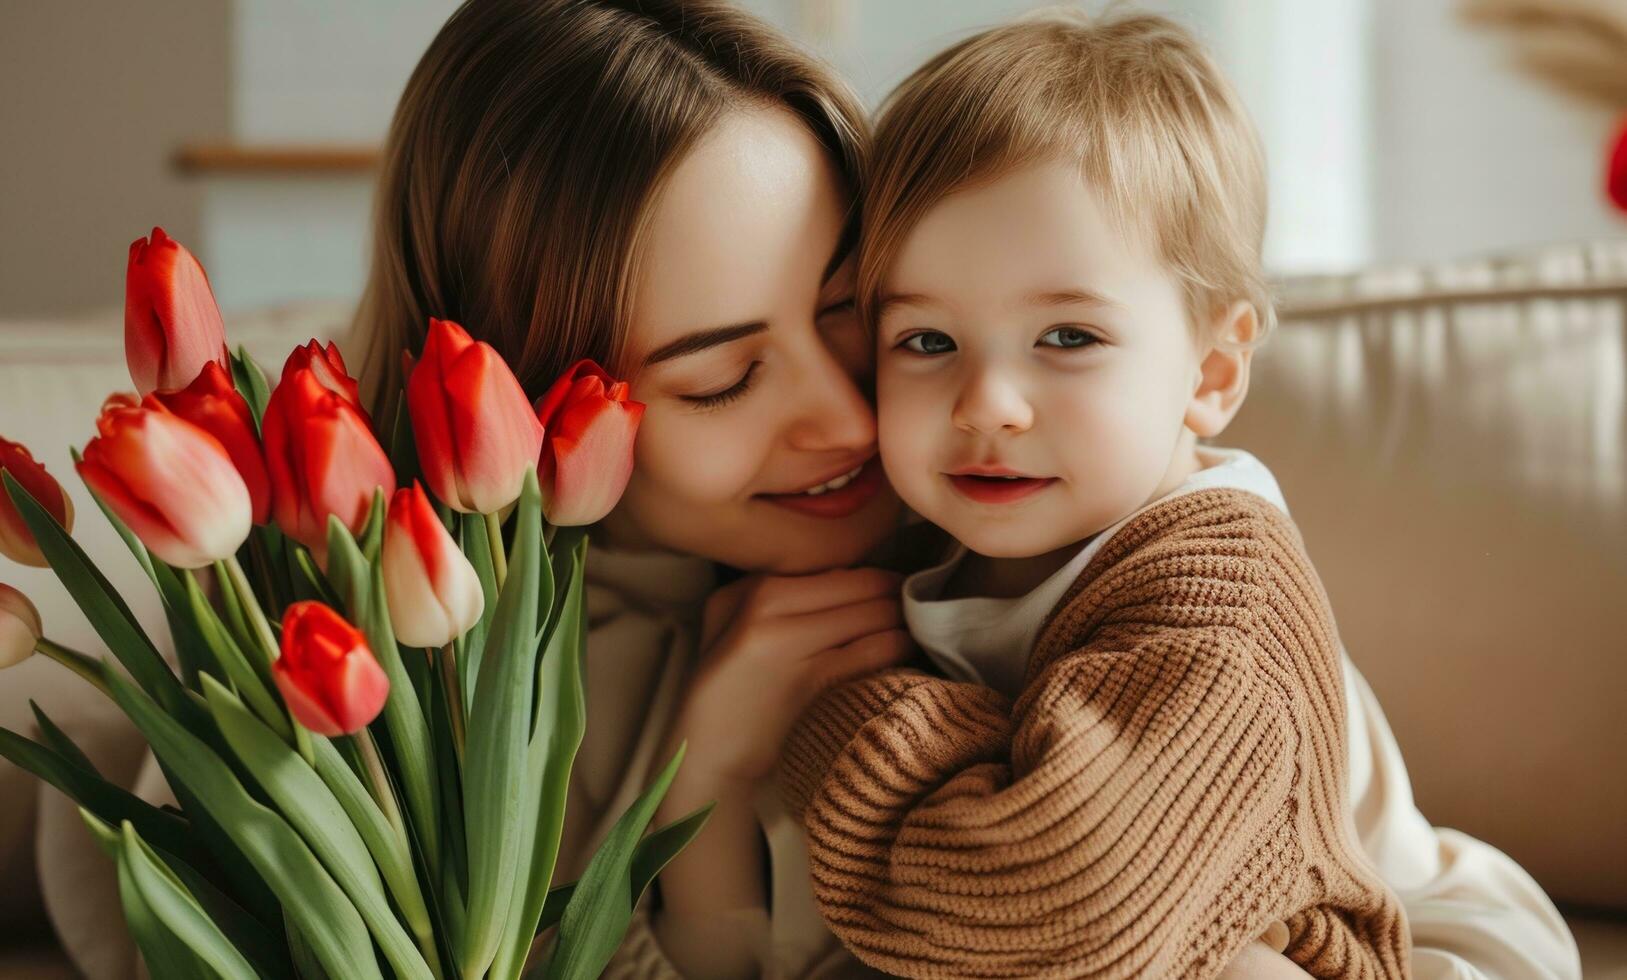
(1136, 766)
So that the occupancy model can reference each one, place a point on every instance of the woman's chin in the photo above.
(795, 544)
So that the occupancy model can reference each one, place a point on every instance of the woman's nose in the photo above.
(829, 412)
(991, 401)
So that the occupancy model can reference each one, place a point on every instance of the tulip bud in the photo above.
(322, 459)
(475, 432)
(329, 367)
(172, 326)
(587, 454)
(432, 591)
(170, 482)
(212, 404)
(16, 540)
(326, 672)
(20, 627)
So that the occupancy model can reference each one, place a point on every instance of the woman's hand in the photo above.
(769, 645)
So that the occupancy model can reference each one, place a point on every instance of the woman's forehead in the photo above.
(744, 228)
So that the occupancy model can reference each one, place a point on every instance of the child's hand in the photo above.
(769, 645)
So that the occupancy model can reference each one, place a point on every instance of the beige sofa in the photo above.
(1452, 440)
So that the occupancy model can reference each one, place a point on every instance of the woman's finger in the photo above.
(791, 595)
(810, 634)
(866, 655)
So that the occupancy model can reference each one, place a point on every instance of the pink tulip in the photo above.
(172, 326)
(326, 672)
(20, 628)
(170, 482)
(211, 403)
(475, 432)
(16, 540)
(587, 455)
(432, 591)
(322, 459)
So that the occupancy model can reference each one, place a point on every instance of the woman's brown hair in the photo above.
(524, 155)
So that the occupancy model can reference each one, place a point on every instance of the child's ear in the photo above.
(1222, 376)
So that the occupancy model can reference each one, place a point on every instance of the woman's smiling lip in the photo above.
(839, 502)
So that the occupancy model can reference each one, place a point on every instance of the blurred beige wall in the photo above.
(95, 95)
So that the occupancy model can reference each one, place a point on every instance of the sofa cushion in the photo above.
(1452, 441)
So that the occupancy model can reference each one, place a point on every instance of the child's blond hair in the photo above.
(1133, 98)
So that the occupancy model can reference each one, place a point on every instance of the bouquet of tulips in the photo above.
(380, 693)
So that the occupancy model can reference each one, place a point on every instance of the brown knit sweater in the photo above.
(1170, 782)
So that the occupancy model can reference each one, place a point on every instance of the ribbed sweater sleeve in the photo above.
(1168, 784)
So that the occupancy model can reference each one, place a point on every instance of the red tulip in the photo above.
(211, 403)
(20, 628)
(587, 456)
(172, 326)
(327, 674)
(432, 591)
(329, 367)
(170, 482)
(475, 432)
(322, 459)
(1616, 176)
(16, 540)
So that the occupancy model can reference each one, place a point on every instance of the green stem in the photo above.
(499, 560)
(379, 782)
(251, 606)
(454, 697)
(548, 531)
(86, 667)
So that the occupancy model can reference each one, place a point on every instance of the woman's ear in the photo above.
(1222, 376)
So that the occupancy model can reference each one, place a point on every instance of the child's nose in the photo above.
(992, 401)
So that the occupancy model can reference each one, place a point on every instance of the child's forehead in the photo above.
(1041, 228)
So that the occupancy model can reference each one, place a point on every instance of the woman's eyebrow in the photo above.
(702, 340)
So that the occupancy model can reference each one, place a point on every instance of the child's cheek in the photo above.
(908, 428)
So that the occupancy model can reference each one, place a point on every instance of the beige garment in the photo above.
(1473, 913)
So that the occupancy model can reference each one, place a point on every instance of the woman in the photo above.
(667, 187)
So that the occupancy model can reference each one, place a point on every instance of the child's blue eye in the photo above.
(928, 342)
(1067, 337)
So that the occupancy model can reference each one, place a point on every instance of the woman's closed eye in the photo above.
(718, 399)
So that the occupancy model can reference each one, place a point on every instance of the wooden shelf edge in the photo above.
(275, 160)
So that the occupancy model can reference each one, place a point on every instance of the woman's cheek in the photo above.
(701, 458)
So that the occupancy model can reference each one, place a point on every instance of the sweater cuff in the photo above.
(829, 724)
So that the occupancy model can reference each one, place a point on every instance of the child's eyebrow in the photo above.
(890, 301)
(1069, 297)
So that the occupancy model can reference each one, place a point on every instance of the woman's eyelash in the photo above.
(728, 394)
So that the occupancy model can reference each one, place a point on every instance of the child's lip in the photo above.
(986, 488)
(991, 470)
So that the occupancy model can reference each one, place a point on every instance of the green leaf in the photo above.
(109, 802)
(599, 911)
(494, 778)
(166, 955)
(654, 853)
(477, 548)
(361, 584)
(309, 895)
(557, 727)
(389, 850)
(59, 740)
(107, 612)
(178, 911)
(307, 803)
(234, 663)
(315, 584)
(251, 384)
